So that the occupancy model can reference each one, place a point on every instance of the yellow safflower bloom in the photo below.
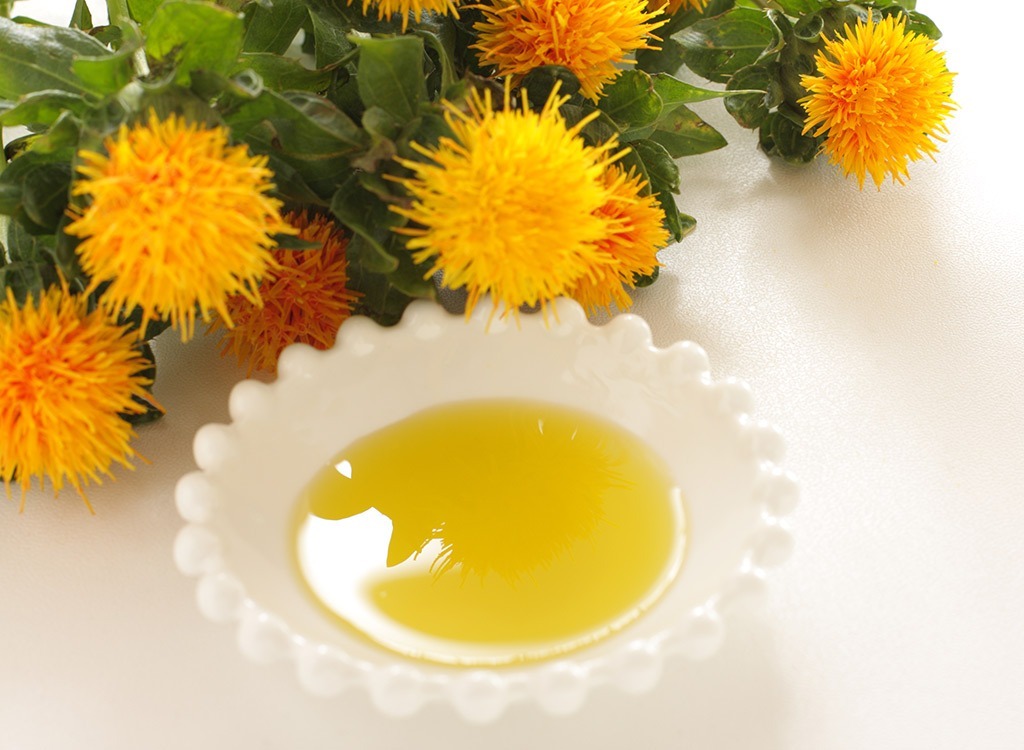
(510, 206)
(405, 8)
(592, 38)
(305, 298)
(177, 219)
(66, 375)
(671, 7)
(632, 245)
(880, 99)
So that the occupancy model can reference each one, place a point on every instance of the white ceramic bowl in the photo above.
(239, 504)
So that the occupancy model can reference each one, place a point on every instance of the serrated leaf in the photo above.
(192, 34)
(684, 133)
(390, 74)
(332, 42)
(273, 28)
(39, 58)
(717, 48)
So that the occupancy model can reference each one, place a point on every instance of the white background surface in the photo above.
(883, 332)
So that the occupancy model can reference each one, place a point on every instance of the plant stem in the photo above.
(4, 221)
(6, 8)
(3, 152)
(119, 15)
(117, 12)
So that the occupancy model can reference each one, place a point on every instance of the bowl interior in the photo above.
(284, 432)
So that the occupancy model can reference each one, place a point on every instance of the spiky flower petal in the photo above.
(511, 205)
(404, 8)
(592, 38)
(880, 99)
(639, 232)
(177, 219)
(66, 375)
(671, 7)
(305, 298)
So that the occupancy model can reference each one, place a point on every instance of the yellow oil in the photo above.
(490, 532)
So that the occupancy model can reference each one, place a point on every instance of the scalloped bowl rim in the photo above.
(612, 369)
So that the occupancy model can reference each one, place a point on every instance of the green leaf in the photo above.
(750, 110)
(272, 28)
(24, 247)
(442, 40)
(390, 74)
(305, 131)
(371, 221)
(81, 18)
(285, 73)
(380, 300)
(782, 138)
(292, 242)
(143, 10)
(410, 278)
(684, 133)
(717, 48)
(191, 35)
(916, 22)
(332, 42)
(669, 57)
(631, 101)
(150, 412)
(60, 140)
(31, 268)
(663, 176)
(802, 7)
(38, 58)
(674, 92)
(540, 82)
(40, 190)
(647, 279)
(426, 130)
(111, 72)
(662, 170)
(41, 108)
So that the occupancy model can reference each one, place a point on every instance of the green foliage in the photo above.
(40, 58)
(338, 124)
(191, 34)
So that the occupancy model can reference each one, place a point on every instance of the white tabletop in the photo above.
(883, 332)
